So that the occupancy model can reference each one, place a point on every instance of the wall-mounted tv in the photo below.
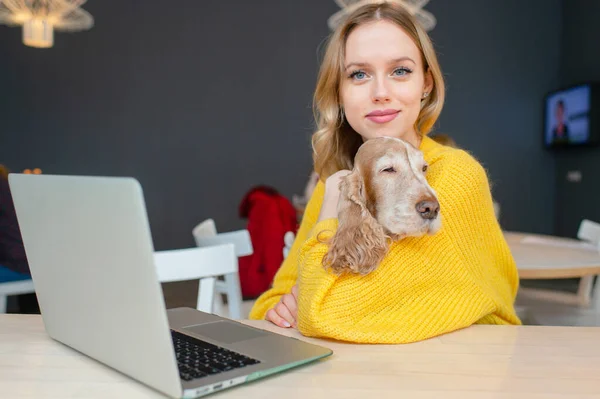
(571, 116)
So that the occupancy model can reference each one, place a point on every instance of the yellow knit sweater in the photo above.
(425, 286)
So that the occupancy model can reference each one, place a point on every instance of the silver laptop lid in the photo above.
(90, 251)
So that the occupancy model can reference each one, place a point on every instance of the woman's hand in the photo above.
(285, 313)
(332, 195)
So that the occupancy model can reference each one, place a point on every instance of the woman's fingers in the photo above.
(285, 313)
(281, 316)
(274, 318)
(289, 301)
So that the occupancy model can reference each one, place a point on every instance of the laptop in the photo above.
(90, 252)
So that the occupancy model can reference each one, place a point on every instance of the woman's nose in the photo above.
(381, 93)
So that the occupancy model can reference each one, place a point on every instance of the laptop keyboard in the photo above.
(197, 359)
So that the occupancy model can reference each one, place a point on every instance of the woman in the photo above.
(560, 132)
(13, 262)
(380, 77)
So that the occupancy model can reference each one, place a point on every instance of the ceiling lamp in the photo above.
(39, 18)
(415, 7)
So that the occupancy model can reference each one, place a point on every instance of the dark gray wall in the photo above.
(206, 99)
(499, 58)
(580, 62)
(200, 102)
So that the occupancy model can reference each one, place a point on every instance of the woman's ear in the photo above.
(428, 82)
(359, 243)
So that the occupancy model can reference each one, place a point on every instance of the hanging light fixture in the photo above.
(415, 7)
(39, 18)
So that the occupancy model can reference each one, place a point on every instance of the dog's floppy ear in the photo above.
(360, 241)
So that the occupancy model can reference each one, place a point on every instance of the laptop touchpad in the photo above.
(224, 331)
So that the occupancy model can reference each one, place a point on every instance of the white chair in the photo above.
(497, 209)
(204, 264)
(206, 235)
(288, 241)
(589, 231)
(14, 288)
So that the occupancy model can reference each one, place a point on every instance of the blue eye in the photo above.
(401, 71)
(358, 75)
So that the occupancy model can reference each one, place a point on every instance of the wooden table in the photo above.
(478, 362)
(540, 259)
(548, 257)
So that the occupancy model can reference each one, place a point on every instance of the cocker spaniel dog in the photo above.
(386, 196)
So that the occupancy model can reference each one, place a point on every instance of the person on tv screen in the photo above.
(560, 132)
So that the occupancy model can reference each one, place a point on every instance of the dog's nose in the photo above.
(428, 209)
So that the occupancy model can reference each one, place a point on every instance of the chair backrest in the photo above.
(206, 228)
(497, 210)
(205, 234)
(589, 231)
(197, 263)
(288, 241)
(15, 287)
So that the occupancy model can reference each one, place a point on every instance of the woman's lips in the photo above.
(383, 116)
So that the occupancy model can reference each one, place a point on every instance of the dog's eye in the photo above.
(389, 170)
(424, 168)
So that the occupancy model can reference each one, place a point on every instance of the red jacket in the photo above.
(270, 216)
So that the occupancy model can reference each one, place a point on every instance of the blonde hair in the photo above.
(335, 143)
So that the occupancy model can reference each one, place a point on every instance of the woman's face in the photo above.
(383, 82)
